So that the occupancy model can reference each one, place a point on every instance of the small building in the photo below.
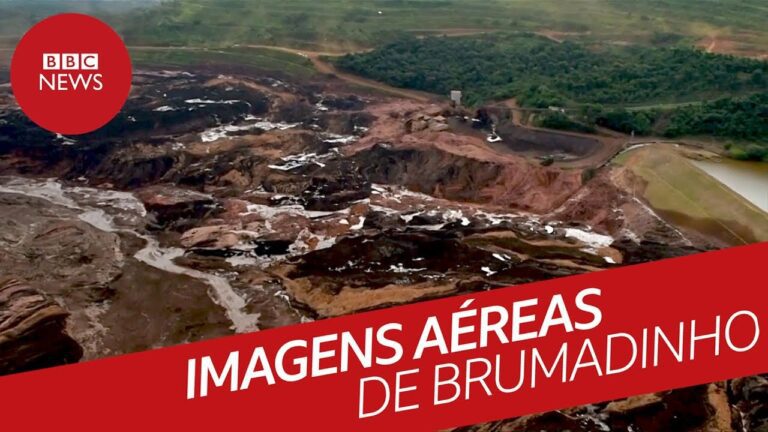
(456, 97)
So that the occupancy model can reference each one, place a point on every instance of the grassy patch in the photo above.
(688, 197)
(344, 24)
(354, 23)
(261, 59)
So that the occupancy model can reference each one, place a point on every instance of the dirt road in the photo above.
(322, 66)
(316, 57)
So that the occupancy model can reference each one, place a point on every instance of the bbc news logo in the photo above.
(71, 82)
(71, 71)
(70, 62)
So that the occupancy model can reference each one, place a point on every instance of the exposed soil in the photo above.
(220, 203)
(246, 169)
(560, 36)
(544, 142)
(270, 181)
(733, 45)
(325, 67)
(567, 149)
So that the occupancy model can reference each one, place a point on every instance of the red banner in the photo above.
(436, 364)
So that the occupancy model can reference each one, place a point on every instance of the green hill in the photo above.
(344, 24)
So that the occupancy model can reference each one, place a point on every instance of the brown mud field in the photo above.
(231, 201)
(566, 149)
(248, 185)
(539, 142)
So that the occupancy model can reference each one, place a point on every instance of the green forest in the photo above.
(742, 121)
(623, 88)
(542, 73)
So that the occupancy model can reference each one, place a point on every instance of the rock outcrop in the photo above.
(172, 207)
(32, 330)
(750, 395)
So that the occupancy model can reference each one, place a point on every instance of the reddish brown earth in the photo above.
(478, 172)
(274, 174)
(303, 201)
(742, 44)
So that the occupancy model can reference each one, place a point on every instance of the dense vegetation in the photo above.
(603, 86)
(542, 73)
(558, 120)
(637, 122)
(342, 24)
(743, 121)
(741, 118)
(648, 62)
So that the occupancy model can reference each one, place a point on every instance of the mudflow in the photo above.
(216, 204)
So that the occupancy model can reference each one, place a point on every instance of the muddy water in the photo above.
(117, 212)
(748, 179)
(226, 297)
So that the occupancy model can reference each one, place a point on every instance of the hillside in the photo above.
(734, 26)
(352, 23)
(541, 73)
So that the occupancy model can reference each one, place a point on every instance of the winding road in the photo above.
(325, 67)
(322, 66)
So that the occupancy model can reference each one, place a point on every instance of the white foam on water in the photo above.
(223, 294)
(220, 132)
(48, 189)
(268, 212)
(292, 162)
(91, 338)
(241, 261)
(488, 272)
(502, 258)
(589, 238)
(212, 102)
(339, 139)
(400, 269)
(359, 225)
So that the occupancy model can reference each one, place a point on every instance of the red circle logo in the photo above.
(71, 74)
